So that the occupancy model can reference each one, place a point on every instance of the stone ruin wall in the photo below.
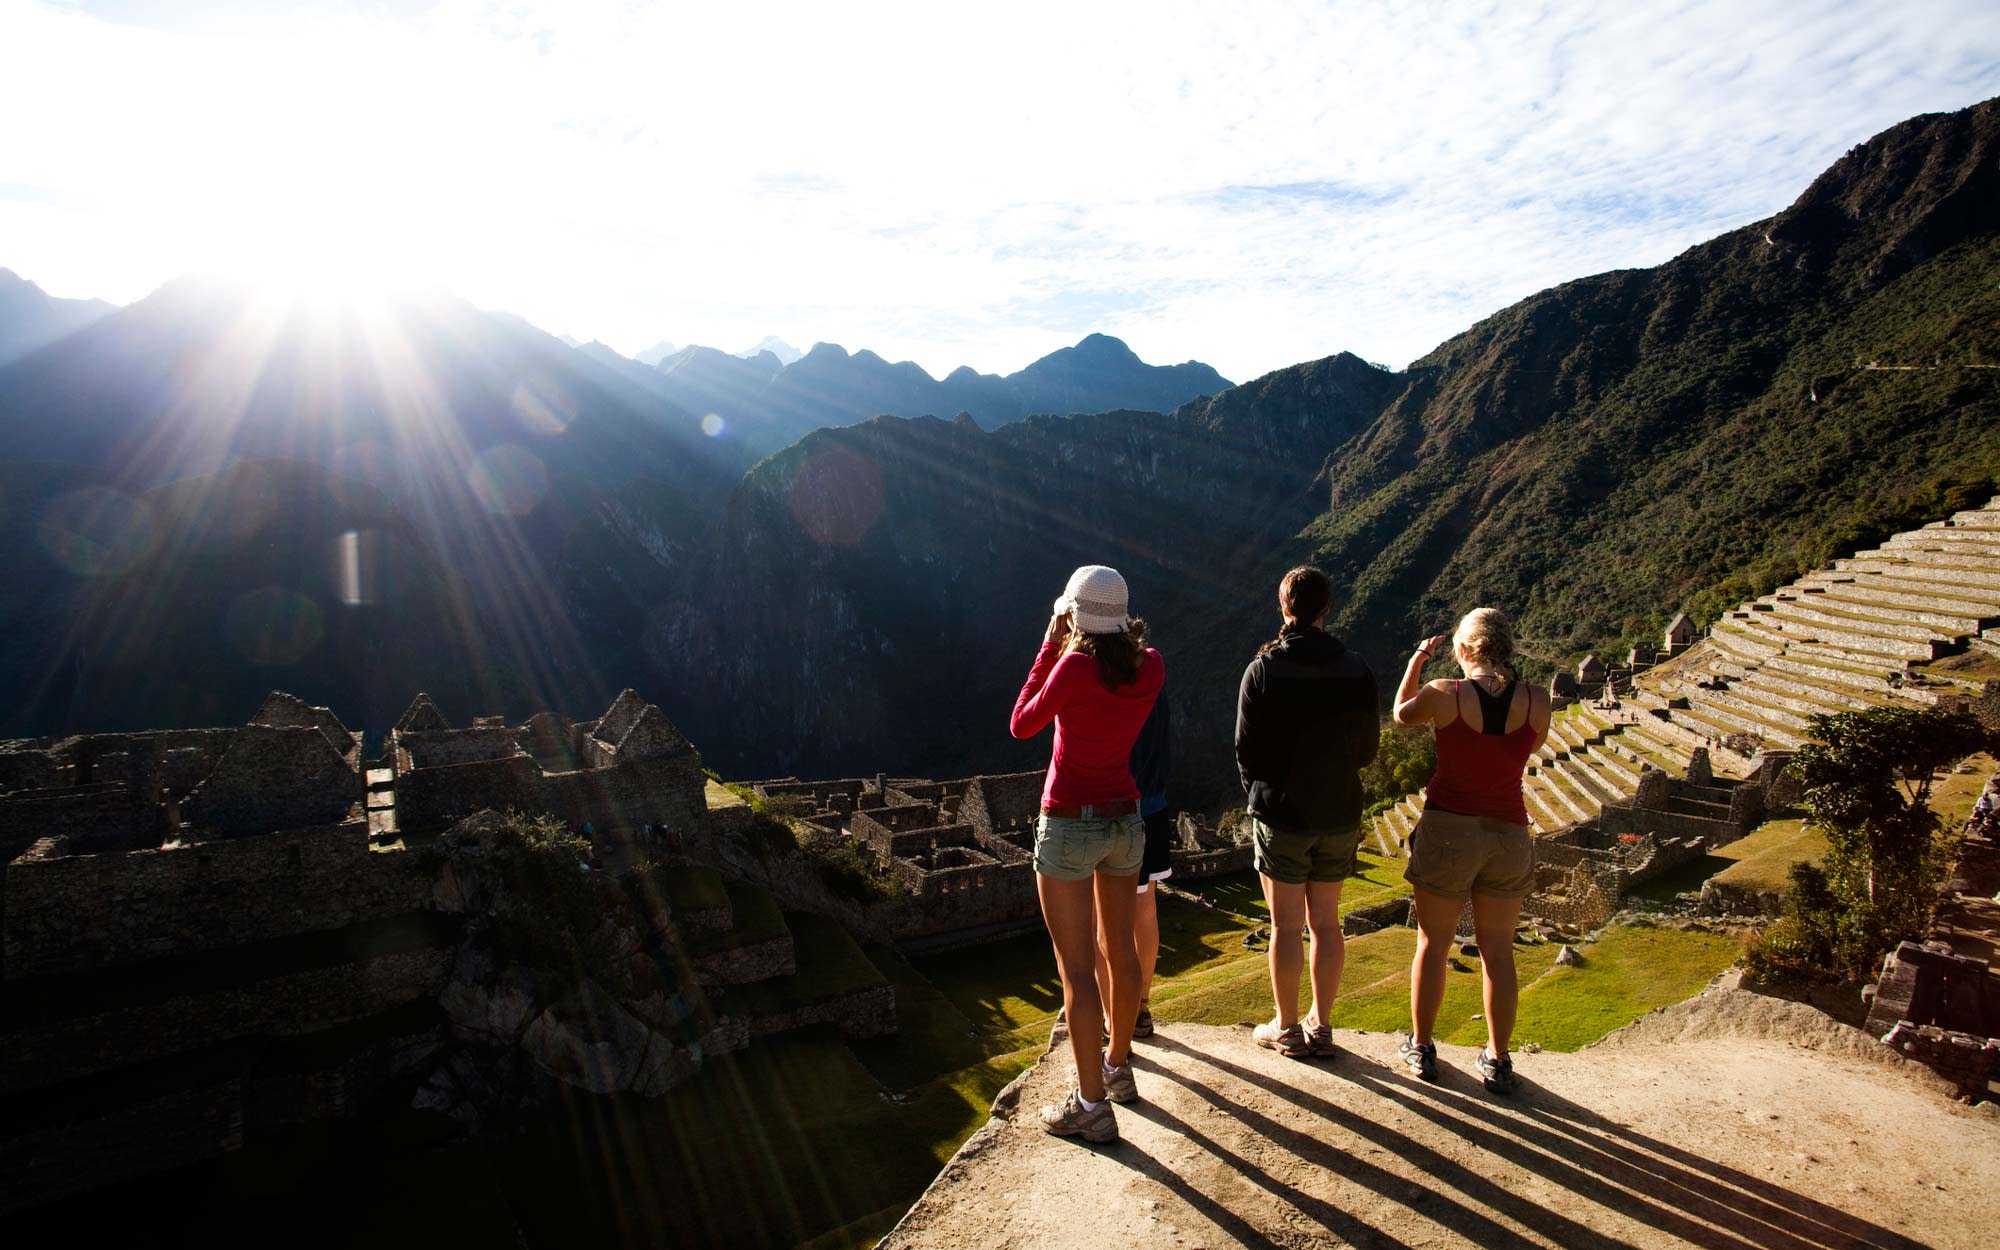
(649, 775)
(274, 777)
(66, 912)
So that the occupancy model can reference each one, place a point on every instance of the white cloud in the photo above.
(950, 185)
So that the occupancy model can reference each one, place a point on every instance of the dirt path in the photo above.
(1731, 1122)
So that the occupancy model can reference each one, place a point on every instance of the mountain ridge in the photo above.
(30, 318)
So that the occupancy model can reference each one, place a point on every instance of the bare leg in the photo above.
(1437, 923)
(1288, 922)
(1146, 936)
(1068, 911)
(1115, 899)
(1329, 946)
(1493, 919)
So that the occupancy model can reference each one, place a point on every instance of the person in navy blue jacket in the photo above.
(1152, 763)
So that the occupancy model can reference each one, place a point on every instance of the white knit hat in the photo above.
(1096, 600)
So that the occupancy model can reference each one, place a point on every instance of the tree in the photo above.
(1867, 783)
(1403, 764)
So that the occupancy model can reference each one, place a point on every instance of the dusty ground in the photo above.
(1730, 1122)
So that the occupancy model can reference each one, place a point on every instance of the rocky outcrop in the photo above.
(532, 1003)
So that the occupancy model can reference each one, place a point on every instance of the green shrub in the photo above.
(1867, 783)
(1405, 758)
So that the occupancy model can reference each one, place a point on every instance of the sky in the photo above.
(1251, 185)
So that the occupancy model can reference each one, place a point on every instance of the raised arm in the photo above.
(1417, 703)
(1038, 702)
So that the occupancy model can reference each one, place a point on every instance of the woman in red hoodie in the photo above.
(1095, 679)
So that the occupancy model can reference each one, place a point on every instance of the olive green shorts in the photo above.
(1294, 858)
(1458, 856)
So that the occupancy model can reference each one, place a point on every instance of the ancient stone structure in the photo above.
(619, 774)
(1681, 634)
(211, 934)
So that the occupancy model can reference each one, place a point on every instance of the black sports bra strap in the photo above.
(1493, 708)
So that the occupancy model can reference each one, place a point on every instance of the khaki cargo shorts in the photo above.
(1073, 850)
(1458, 856)
(1296, 858)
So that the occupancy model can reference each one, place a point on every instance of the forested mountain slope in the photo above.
(1592, 458)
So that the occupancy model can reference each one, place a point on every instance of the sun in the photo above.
(322, 260)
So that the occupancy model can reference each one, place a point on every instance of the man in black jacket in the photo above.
(1307, 722)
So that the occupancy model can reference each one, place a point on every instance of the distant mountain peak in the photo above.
(1104, 345)
(653, 355)
(771, 343)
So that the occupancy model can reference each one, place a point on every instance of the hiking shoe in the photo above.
(1143, 1027)
(1496, 1074)
(1422, 1061)
(1289, 1042)
(1118, 1083)
(1072, 1119)
(1319, 1041)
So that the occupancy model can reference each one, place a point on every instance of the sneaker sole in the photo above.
(1095, 1137)
(1287, 1051)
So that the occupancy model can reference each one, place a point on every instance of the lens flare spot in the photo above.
(836, 497)
(713, 425)
(357, 565)
(97, 532)
(273, 626)
(542, 406)
(508, 480)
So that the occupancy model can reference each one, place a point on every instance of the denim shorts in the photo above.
(1071, 850)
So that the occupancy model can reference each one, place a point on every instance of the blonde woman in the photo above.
(1473, 840)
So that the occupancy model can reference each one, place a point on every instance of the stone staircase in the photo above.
(1841, 639)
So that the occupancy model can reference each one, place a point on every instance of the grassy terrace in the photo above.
(1953, 794)
(1759, 860)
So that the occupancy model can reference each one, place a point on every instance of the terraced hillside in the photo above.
(1910, 622)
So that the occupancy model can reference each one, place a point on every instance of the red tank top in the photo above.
(1479, 770)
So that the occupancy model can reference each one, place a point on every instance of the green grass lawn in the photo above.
(1628, 972)
(689, 887)
(1764, 856)
(758, 918)
(1954, 793)
(1759, 860)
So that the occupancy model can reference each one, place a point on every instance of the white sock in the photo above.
(1109, 1067)
(1088, 1105)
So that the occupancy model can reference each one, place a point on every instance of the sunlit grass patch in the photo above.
(1626, 973)
(998, 986)
(1954, 794)
(1764, 857)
